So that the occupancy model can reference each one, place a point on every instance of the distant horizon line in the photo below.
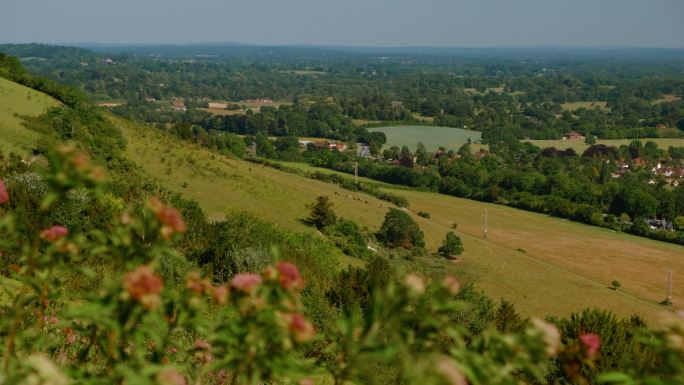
(348, 46)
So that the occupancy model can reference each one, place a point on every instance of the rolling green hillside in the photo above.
(545, 265)
(16, 101)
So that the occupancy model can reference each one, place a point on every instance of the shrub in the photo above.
(321, 214)
(400, 230)
(424, 214)
(451, 246)
(150, 318)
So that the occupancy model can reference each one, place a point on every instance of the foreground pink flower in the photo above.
(550, 334)
(415, 284)
(246, 282)
(196, 284)
(447, 368)
(170, 218)
(171, 376)
(54, 233)
(4, 195)
(592, 344)
(220, 294)
(144, 286)
(301, 329)
(203, 351)
(289, 276)
(451, 284)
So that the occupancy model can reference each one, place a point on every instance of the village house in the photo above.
(672, 174)
(330, 145)
(481, 154)
(178, 105)
(660, 224)
(572, 135)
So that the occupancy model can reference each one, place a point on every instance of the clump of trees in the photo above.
(451, 246)
(322, 214)
(400, 230)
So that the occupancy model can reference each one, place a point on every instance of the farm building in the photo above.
(331, 145)
(572, 135)
(178, 105)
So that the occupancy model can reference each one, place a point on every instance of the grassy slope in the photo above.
(564, 266)
(16, 101)
(550, 264)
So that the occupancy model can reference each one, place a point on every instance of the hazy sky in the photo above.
(652, 23)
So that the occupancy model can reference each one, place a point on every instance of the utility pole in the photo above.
(669, 286)
(486, 224)
(356, 172)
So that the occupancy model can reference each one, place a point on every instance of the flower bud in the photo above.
(415, 284)
(54, 233)
(591, 343)
(550, 335)
(4, 195)
(289, 276)
(451, 284)
(144, 286)
(246, 282)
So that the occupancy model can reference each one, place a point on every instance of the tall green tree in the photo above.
(405, 157)
(422, 155)
(451, 246)
(400, 230)
(322, 214)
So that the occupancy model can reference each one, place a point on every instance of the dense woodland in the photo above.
(508, 95)
(503, 93)
(108, 278)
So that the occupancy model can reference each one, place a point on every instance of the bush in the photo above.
(451, 246)
(400, 230)
(321, 213)
(149, 318)
(424, 214)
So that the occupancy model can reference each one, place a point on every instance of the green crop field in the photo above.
(431, 136)
(574, 106)
(16, 101)
(579, 146)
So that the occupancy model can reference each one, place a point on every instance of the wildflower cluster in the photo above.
(120, 305)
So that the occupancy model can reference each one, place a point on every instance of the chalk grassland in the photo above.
(548, 264)
(574, 106)
(16, 101)
(537, 279)
(545, 265)
(431, 136)
(544, 261)
(222, 184)
(579, 145)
